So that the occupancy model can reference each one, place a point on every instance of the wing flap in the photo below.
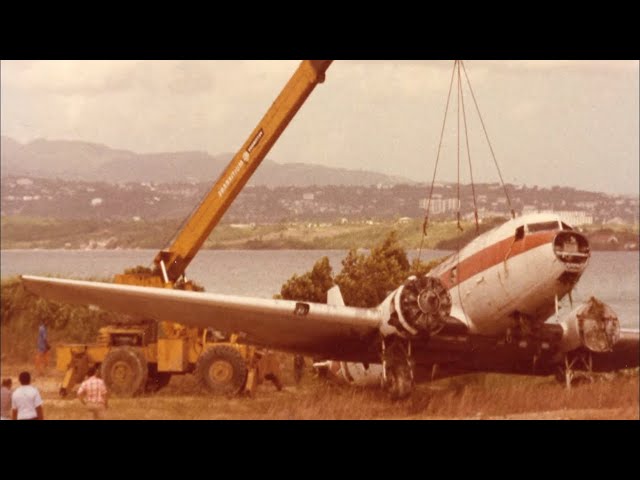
(295, 326)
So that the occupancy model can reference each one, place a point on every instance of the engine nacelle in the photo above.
(593, 325)
(419, 307)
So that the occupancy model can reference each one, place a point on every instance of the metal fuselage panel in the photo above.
(526, 283)
(501, 276)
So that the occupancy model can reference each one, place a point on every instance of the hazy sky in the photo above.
(569, 123)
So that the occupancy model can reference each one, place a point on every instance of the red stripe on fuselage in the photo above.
(495, 254)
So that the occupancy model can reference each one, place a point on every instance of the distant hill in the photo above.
(74, 160)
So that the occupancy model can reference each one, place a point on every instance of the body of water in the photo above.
(612, 277)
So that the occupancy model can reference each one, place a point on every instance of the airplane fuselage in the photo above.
(513, 272)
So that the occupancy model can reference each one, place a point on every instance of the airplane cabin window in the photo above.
(520, 233)
(542, 226)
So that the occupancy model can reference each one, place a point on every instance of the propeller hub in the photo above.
(428, 301)
(422, 305)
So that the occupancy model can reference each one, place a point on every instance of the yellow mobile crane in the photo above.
(134, 357)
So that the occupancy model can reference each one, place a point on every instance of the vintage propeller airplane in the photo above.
(485, 308)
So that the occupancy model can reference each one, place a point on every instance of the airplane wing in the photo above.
(625, 353)
(333, 331)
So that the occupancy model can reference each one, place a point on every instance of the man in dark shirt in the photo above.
(42, 354)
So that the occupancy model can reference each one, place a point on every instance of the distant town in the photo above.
(38, 197)
(50, 214)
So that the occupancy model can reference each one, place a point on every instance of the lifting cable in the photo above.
(425, 224)
(466, 134)
(458, 65)
(458, 150)
(504, 188)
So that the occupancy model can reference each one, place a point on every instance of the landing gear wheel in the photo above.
(399, 384)
(222, 370)
(398, 369)
(124, 371)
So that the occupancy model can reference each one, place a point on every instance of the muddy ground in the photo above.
(480, 396)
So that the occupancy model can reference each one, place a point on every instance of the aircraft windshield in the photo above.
(542, 226)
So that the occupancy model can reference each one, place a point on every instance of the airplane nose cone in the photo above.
(572, 249)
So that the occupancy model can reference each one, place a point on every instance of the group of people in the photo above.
(25, 402)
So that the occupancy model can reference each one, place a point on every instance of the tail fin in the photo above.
(334, 297)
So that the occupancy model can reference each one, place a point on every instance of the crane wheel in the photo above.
(222, 370)
(124, 370)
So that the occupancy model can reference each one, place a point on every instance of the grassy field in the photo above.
(47, 233)
(480, 396)
(27, 232)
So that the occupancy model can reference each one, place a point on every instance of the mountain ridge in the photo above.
(90, 161)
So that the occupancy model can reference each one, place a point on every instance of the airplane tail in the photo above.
(334, 296)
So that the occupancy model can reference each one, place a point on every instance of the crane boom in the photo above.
(150, 354)
(173, 261)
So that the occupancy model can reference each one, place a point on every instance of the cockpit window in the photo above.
(542, 226)
(520, 233)
(566, 227)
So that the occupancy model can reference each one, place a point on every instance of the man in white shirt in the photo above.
(26, 402)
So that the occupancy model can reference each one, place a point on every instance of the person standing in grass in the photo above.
(5, 413)
(94, 394)
(26, 402)
(43, 347)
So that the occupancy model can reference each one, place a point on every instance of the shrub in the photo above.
(365, 280)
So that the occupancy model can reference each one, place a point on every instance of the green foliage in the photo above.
(22, 312)
(419, 268)
(312, 286)
(365, 279)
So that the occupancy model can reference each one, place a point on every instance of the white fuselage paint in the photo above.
(526, 283)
